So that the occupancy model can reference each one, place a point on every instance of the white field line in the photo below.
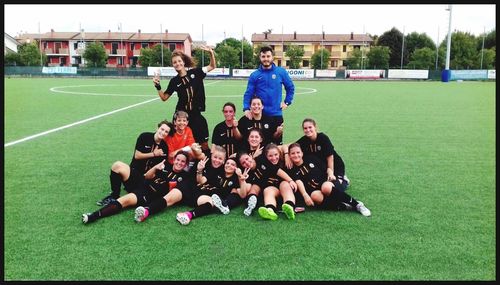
(76, 123)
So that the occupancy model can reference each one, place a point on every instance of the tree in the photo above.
(227, 56)
(378, 57)
(29, 55)
(354, 61)
(95, 54)
(423, 58)
(295, 53)
(320, 59)
(489, 58)
(152, 56)
(393, 39)
(11, 59)
(198, 53)
(415, 41)
(490, 40)
(236, 44)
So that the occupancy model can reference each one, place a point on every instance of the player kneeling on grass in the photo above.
(267, 174)
(160, 186)
(312, 181)
(216, 191)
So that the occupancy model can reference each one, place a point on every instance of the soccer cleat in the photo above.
(141, 214)
(88, 218)
(267, 213)
(347, 180)
(218, 203)
(360, 207)
(183, 218)
(252, 202)
(288, 210)
(105, 201)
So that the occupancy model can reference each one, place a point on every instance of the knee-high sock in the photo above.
(115, 180)
(233, 200)
(112, 208)
(202, 210)
(157, 206)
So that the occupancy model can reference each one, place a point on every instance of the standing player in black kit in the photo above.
(188, 83)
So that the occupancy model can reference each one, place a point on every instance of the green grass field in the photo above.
(420, 155)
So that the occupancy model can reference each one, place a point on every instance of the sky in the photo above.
(212, 23)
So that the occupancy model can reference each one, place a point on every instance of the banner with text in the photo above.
(301, 73)
(242, 72)
(364, 74)
(59, 69)
(408, 73)
(491, 74)
(469, 74)
(326, 73)
(162, 71)
(219, 71)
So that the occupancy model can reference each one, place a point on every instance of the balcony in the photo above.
(119, 52)
(137, 52)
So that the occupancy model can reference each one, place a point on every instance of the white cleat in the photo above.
(183, 218)
(218, 203)
(360, 207)
(252, 202)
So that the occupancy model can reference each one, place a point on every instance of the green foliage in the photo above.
(95, 54)
(354, 61)
(378, 57)
(198, 53)
(28, 55)
(236, 45)
(295, 54)
(423, 58)
(415, 41)
(227, 56)
(490, 40)
(393, 39)
(152, 56)
(320, 59)
(489, 59)
(11, 59)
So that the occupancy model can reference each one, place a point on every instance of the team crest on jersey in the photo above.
(266, 126)
(311, 165)
(192, 75)
(319, 147)
(273, 76)
(230, 183)
(179, 179)
(263, 167)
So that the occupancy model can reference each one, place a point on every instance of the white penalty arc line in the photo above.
(77, 123)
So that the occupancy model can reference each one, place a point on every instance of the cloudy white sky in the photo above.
(214, 22)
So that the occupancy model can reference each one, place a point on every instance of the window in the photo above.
(120, 60)
(171, 47)
(285, 48)
(305, 63)
(279, 62)
(144, 45)
(132, 45)
(287, 63)
(334, 63)
(344, 48)
(114, 48)
(75, 46)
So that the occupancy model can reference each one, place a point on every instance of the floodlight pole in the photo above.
(40, 44)
(446, 74)
(161, 44)
(402, 47)
(202, 52)
(437, 49)
(482, 48)
(242, 46)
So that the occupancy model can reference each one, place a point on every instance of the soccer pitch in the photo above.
(420, 155)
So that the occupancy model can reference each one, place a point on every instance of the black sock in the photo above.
(233, 200)
(343, 197)
(157, 206)
(272, 207)
(112, 208)
(202, 210)
(115, 180)
(290, 203)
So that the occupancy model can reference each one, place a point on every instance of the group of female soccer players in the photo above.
(246, 164)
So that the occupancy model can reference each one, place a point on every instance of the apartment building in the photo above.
(340, 46)
(123, 48)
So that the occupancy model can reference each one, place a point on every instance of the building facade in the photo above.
(340, 46)
(123, 48)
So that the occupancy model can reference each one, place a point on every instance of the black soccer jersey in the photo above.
(146, 143)
(190, 90)
(224, 136)
(322, 148)
(166, 180)
(311, 172)
(264, 124)
(266, 173)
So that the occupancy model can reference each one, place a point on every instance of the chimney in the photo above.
(352, 36)
(294, 35)
(323, 35)
(139, 32)
(51, 30)
(265, 35)
(166, 31)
